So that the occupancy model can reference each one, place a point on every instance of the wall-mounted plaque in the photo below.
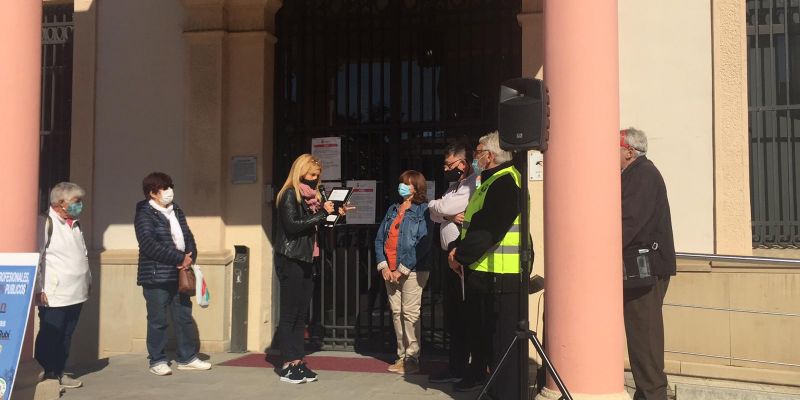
(244, 169)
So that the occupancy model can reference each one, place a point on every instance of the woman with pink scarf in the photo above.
(300, 213)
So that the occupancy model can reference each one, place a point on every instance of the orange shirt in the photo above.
(390, 248)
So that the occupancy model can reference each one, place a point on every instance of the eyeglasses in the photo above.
(452, 164)
(629, 147)
(624, 145)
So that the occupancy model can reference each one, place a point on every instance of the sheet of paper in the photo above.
(463, 292)
(329, 185)
(535, 166)
(329, 152)
(363, 199)
(338, 195)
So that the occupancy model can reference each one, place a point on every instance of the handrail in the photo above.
(740, 259)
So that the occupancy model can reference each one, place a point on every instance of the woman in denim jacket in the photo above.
(402, 248)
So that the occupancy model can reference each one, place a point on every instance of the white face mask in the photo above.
(167, 196)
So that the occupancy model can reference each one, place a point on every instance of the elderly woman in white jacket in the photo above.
(63, 281)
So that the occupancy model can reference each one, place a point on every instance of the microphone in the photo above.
(322, 193)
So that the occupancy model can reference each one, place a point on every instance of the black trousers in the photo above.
(297, 288)
(456, 319)
(644, 330)
(493, 306)
(56, 325)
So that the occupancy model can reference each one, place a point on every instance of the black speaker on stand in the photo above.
(523, 115)
(522, 123)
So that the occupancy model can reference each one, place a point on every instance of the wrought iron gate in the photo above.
(397, 80)
(773, 64)
(56, 110)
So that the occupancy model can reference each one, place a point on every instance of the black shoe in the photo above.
(310, 375)
(446, 376)
(468, 384)
(292, 374)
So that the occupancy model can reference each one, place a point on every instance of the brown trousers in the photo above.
(644, 329)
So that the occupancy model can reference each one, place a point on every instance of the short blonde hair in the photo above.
(491, 142)
(300, 167)
(65, 191)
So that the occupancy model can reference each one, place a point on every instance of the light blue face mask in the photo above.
(403, 190)
(75, 209)
(475, 167)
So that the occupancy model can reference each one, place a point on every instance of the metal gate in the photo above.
(773, 64)
(397, 80)
(56, 110)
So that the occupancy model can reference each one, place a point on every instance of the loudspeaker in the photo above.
(523, 115)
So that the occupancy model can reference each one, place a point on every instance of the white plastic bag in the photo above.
(202, 294)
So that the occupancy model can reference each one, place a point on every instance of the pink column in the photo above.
(584, 325)
(20, 75)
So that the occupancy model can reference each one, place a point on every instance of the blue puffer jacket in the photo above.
(414, 244)
(158, 256)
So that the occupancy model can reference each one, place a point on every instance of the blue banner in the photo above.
(17, 277)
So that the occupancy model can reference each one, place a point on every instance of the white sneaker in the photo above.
(196, 365)
(161, 369)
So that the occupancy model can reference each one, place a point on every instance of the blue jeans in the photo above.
(158, 298)
(56, 325)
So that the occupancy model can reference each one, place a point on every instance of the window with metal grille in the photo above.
(56, 113)
(773, 70)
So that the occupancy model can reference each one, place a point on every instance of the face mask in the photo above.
(311, 184)
(167, 196)
(75, 209)
(453, 175)
(476, 167)
(403, 190)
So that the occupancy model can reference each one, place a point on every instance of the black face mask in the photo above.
(312, 184)
(453, 175)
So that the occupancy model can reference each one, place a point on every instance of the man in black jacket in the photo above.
(646, 224)
(491, 276)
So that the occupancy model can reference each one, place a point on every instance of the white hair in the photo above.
(65, 191)
(491, 142)
(637, 140)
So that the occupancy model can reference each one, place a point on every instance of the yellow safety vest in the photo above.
(503, 257)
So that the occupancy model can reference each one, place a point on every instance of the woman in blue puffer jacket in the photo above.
(402, 248)
(166, 245)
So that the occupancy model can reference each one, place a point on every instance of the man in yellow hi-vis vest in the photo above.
(488, 254)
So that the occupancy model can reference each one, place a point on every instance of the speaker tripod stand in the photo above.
(521, 335)
(523, 332)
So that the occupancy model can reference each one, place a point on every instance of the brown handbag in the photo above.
(186, 282)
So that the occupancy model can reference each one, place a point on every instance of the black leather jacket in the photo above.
(296, 227)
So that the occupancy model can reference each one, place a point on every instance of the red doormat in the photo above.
(327, 363)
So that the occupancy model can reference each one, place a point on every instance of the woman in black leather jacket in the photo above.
(300, 212)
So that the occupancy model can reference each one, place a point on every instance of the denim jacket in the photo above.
(414, 244)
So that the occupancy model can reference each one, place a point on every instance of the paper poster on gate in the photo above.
(329, 151)
(431, 192)
(363, 199)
